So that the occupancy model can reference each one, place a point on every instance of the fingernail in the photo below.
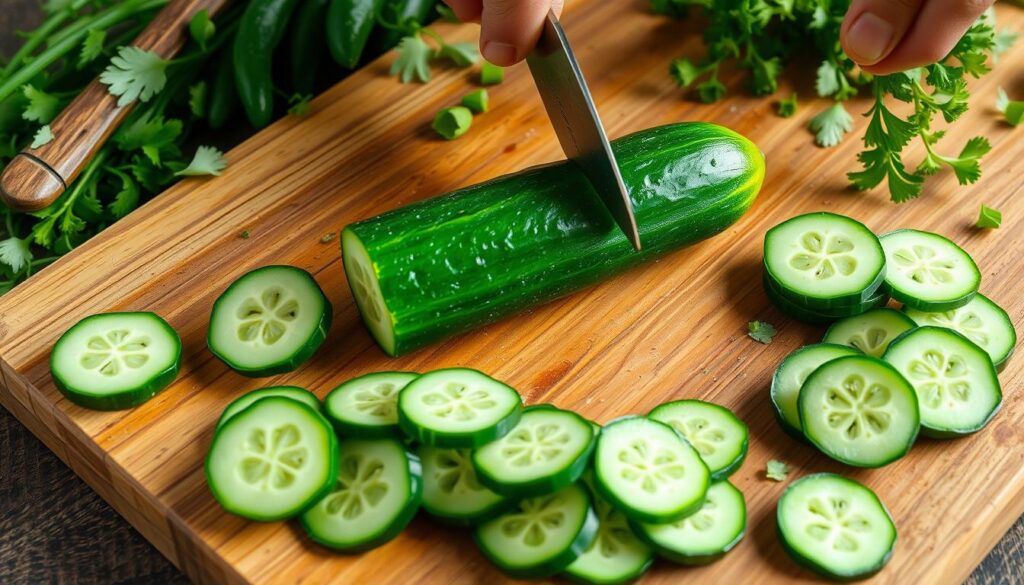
(869, 38)
(500, 53)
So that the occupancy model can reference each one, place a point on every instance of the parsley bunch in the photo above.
(761, 36)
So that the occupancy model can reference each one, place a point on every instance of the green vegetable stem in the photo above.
(349, 24)
(262, 27)
(451, 123)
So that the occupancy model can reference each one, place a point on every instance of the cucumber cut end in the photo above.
(718, 435)
(707, 534)
(365, 285)
(791, 375)
(981, 320)
(928, 271)
(870, 332)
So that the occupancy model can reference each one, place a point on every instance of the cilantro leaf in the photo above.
(776, 470)
(43, 137)
(201, 28)
(15, 252)
(761, 331)
(879, 165)
(127, 198)
(42, 107)
(461, 54)
(207, 161)
(966, 166)
(135, 74)
(831, 125)
(413, 60)
(153, 135)
(92, 47)
(711, 90)
(299, 105)
(1012, 110)
(765, 78)
(827, 80)
(989, 218)
(684, 72)
(787, 106)
(197, 99)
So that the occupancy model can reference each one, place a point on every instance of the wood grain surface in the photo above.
(668, 330)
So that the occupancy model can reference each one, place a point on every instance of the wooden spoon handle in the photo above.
(35, 177)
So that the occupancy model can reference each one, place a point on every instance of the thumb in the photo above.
(873, 28)
(509, 28)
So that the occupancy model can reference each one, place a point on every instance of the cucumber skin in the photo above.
(125, 399)
(295, 360)
(471, 257)
(791, 430)
(396, 527)
(814, 567)
(790, 308)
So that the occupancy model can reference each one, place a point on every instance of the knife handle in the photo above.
(35, 177)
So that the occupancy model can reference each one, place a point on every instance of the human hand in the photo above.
(886, 36)
(508, 28)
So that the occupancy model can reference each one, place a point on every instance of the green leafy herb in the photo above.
(207, 161)
(989, 218)
(197, 99)
(761, 332)
(478, 101)
(327, 238)
(299, 105)
(761, 36)
(787, 106)
(244, 235)
(413, 60)
(201, 28)
(43, 137)
(777, 470)
(491, 74)
(15, 253)
(135, 74)
(1012, 110)
(42, 107)
(92, 47)
(831, 125)
(451, 123)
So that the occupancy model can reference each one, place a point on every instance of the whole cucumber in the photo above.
(446, 265)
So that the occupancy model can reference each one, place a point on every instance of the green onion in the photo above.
(453, 122)
(989, 218)
(491, 74)
(478, 101)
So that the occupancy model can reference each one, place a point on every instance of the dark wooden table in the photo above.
(54, 529)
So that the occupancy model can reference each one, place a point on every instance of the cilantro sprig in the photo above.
(762, 35)
(415, 53)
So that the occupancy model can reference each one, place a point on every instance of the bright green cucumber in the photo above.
(707, 534)
(367, 407)
(242, 402)
(803, 312)
(449, 264)
(871, 332)
(714, 431)
(981, 320)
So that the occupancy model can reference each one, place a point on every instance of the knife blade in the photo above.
(571, 109)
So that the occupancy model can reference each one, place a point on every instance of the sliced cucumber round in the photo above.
(242, 402)
(269, 321)
(115, 360)
(835, 527)
(860, 411)
(615, 555)
(705, 535)
(957, 386)
(648, 471)
(981, 320)
(801, 311)
(825, 258)
(719, 436)
(376, 495)
(451, 489)
(367, 407)
(457, 408)
(871, 332)
(792, 373)
(541, 536)
(929, 272)
(548, 450)
(272, 460)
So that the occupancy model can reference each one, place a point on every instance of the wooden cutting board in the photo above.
(672, 329)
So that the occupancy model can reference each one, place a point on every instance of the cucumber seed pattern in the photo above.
(379, 400)
(264, 318)
(940, 380)
(964, 320)
(273, 457)
(455, 473)
(536, 516)
(649, 466)
(457, 401)
(114, 351)
(360, 487)
(923, 265)
(704, 437)
(826, 255)
(534, 443)
(857, 408)
(835, 524)
(874, 341)
(369, 302)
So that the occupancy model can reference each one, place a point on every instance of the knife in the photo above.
(571, 110)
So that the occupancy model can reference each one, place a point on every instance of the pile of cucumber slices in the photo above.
(545, 490)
